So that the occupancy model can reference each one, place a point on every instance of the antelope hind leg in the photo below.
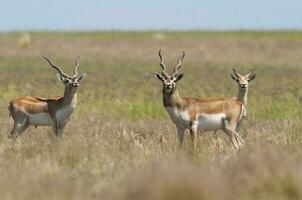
(19, 128)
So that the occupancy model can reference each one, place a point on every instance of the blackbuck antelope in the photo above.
(55, 112)
(243, 86)
(204, 114)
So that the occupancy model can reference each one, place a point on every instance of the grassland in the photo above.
(120, 143)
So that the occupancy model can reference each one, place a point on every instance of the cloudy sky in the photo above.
(149, 14)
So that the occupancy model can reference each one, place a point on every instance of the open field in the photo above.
(120, 143)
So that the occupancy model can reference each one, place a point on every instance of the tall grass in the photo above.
(120, 143)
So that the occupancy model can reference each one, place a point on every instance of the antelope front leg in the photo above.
(62, 126)
(180, 134)
(55, 128)
(232, 139)
(193, 133)
(237, 137)
(59, 128)
(230, 130)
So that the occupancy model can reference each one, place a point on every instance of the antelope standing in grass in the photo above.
(205, 114)
(55, 112)
(243, 86)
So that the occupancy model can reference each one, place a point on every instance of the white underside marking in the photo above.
(210, 122)
(40, 119)
(44, 119)
(181, 118)
(206, 122)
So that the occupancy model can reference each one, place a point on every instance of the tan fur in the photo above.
(39, 111)
(195, 106)
(242, 96)
(202, 105)
(199, 113)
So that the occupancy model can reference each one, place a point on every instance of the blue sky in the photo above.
(149, 15)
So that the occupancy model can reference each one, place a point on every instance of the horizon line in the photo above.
(154, 30)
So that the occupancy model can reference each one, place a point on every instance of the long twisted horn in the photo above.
(162, 64)
(75, 71)
(56, 67)
(178, 63)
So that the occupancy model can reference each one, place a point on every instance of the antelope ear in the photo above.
(234, 77)
(82, 77)
(251, 77)
(178, 77)
(61, 78)
(159, 76)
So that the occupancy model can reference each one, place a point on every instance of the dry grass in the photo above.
(120, 143)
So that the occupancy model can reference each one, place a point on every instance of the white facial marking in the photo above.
(40, 119)
(210, 122)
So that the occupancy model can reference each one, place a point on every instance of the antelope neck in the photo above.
(242, 95)
(70, 96)
(172, 99)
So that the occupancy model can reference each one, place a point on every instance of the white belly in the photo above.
(210, 122)
(64, 114)
(206, 122)
(40, 119)
(44, 119)
(180, 118)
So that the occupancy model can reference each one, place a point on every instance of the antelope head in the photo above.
(169, 80)
(70, 81)
(243, 80)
